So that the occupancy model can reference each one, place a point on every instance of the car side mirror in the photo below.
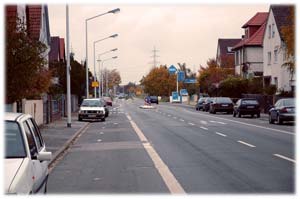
(44, 156)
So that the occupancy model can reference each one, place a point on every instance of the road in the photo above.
(175, 149)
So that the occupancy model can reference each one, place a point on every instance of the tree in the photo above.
(288, 34)
(159, 82)
(26, 75)
(211, 76)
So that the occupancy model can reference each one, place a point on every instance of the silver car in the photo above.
(26, 158)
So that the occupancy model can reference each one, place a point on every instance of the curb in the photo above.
(66, 145)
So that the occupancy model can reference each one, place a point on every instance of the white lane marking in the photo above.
(221, 134)
(116, 123)
(182, 120)
(203, 128)
(203, 122)
(175, 118)
(169, 115)
(213, 121)
(99, 140)
(253, 125)
(247, 144)
(283, 157)
(221, 123)
(167, 176)
(101, 133)
(191, 123)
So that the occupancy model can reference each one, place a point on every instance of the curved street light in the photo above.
(95, 42)
(114, 11)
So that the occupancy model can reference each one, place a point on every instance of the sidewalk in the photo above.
(57, 135)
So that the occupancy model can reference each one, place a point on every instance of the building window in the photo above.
(269, 58)
(269, 30)
(273, 30)
(275, 56)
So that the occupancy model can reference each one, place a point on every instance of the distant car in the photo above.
(246, 106)
(206, 104)
(199, 105)
(221, 104)
(26, 159)
(108, 101)
(154, 99)
(283, 110)
(92, 108)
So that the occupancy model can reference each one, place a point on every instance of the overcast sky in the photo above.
(181, 33)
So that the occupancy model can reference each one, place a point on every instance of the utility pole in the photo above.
(68, 68)
(154, 56)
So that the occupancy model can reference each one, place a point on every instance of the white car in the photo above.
(26, 158)
(93, 108)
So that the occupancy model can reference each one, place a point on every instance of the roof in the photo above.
(34, 13)
(10, 116)
(62, 49)
(225, 43)
(54, 52)
(281, 13)
(258, 19)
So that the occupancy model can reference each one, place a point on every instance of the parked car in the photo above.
(26, 159)
(246, 106)
(93, 108)
(283, 110)
(206, 104)
(108, 101)
(199, 105)
(154, 99)
(105, 107)
(221, 104)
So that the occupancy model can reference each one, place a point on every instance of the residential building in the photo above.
(274, 52)
(225, 55)
(249, 51)
(57, 52)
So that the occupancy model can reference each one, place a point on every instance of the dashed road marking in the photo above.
(167, 176)
(191, 123)
(99, 140)
(221, 134)
(203, 128)
(175, 118)
(284, 157)
(182, 120)
(247, 144)
(203, 122)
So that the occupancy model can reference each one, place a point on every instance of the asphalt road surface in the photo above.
(175, 149)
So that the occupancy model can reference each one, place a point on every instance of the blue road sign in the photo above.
(183, 92)
(172, 69)
(180, 76)
(190, 81)
(175, 96)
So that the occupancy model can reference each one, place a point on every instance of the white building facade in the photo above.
(274, 53)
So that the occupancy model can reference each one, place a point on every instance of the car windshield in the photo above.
(289, 102)
(92, 103)
(254, 102)
(223, 100)
(14, 145)
(202, 99)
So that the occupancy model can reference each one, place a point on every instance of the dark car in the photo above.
(104, 104)
(108, 101)
(199, 105)
(221, 104)
(283, 110)
(206, 104)
(154, 99)
(246, 106)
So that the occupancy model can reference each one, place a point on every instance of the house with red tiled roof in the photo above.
(249, 51)
(225, 55)
(57, 52)
(274, 53)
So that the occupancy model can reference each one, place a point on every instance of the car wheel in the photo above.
(79, 119)
(258, 115)
(270, 119)
(252, 115)
(103, 119)
(234, 114)
(279, 121)
(239, 114)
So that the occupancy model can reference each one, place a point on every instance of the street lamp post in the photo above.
(98, 60)
(68, 68)
(95, 42)
(86, 45)
(102, 61)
